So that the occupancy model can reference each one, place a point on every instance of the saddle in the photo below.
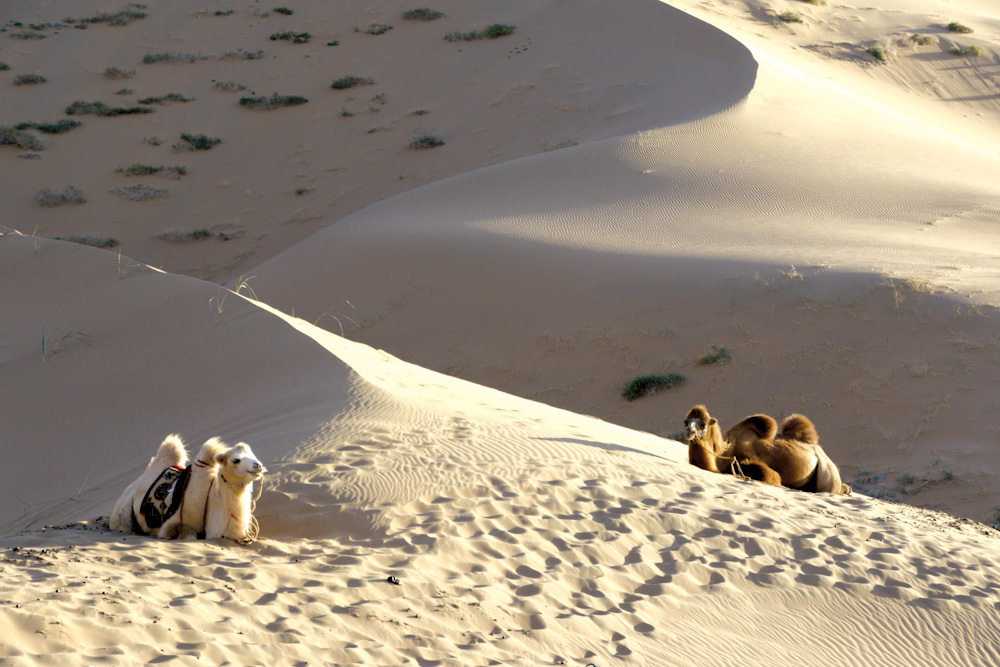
(164, 496)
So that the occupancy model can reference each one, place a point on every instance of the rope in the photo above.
(253, 529)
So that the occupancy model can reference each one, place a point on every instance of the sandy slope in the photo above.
(834, 231)
(521, 534)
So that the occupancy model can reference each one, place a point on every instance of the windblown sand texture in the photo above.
(432, 365)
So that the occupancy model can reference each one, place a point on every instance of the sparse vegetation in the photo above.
(282, 10)
(133, 12)
(4, 67)
(60, 126)
(240, 54)
(491, 32)
(140, 192)
(66, 195)
(223, 12)
(229, 86)
(878, 52)
(293, 37)
(196, 142)
(955, 26)
(28, 34)
(184, 235)
(422, 14)
(352, 80)
(28, 79)
(276, 101)
(171, 57)
(153, 141)
(95, 241)
(345, 112)
(165, 99)
(81, 108)
(424, 139)
(647, 384)
(923, 40)
(378, 29)
(790, 17)
(139, 169)
(333, 43)
(125, 91)
(816, 2)
(118, 73)
(9, 136)
(717, 356)
(973, 51)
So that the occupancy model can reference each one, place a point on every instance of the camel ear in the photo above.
(220, 457)
(712, 422)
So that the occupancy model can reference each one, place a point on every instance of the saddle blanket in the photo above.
(164, 496)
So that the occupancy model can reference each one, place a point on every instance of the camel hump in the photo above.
(752, 427)
(798, 427)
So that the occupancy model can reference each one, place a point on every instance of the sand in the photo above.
(427, 348)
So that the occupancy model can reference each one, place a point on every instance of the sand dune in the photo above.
(427, 348)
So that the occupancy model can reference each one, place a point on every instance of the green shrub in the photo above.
(276, 101)
(229, 85)
(123, 17)
(378, 29)
(647, 384)
(82, 107)
(97, 242)
(28, 79)
(424, 139)
(223, 12)
(351, 80)
(878, 52)
(282, 10)
(717, 356)
(4, 67)
(491, 32)
(118, 73)
(171, 57)
(790, 17)
(164, 99)
(140, 192)
(199, 142)
(293, 37)
(955, 26)
(923, 40)
(422, 14)
(10, 136)
(60, 126)
(240, 54)
(184, 235)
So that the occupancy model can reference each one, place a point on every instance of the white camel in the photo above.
(210, 498)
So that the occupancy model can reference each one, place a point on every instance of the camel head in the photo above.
(697, 422)
(239, 464)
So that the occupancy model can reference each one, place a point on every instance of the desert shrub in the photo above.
(140, 192)
(378, 29)
(293, 37)
(974, 51)
(283, 10)
(4, 67)
(67, 195)
(240, 54)
(352, 80)
(647, 384)
(10, 136)
(790, 17)
(139, 169)
(878, 52)
(58, 127)
(125, 91)
(422, 14)
(153, 141)
(424, 139)
(171, 57)
(223, 12)
(184, 235)
(198, 142)
(164, 99)
(118, 73)
(28, 34)
(95, 241)
(276, 101)
(124, 17)
(82, 107)
(955, 26)
(490, 32)
(28, 79)
(923, 40)
(717, 356)
(229, 86)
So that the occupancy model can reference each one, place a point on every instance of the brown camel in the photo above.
(791, 457)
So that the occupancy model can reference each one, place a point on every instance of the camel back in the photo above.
(164, 496)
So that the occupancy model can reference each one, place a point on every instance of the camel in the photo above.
(210, 498)
(791, 457)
